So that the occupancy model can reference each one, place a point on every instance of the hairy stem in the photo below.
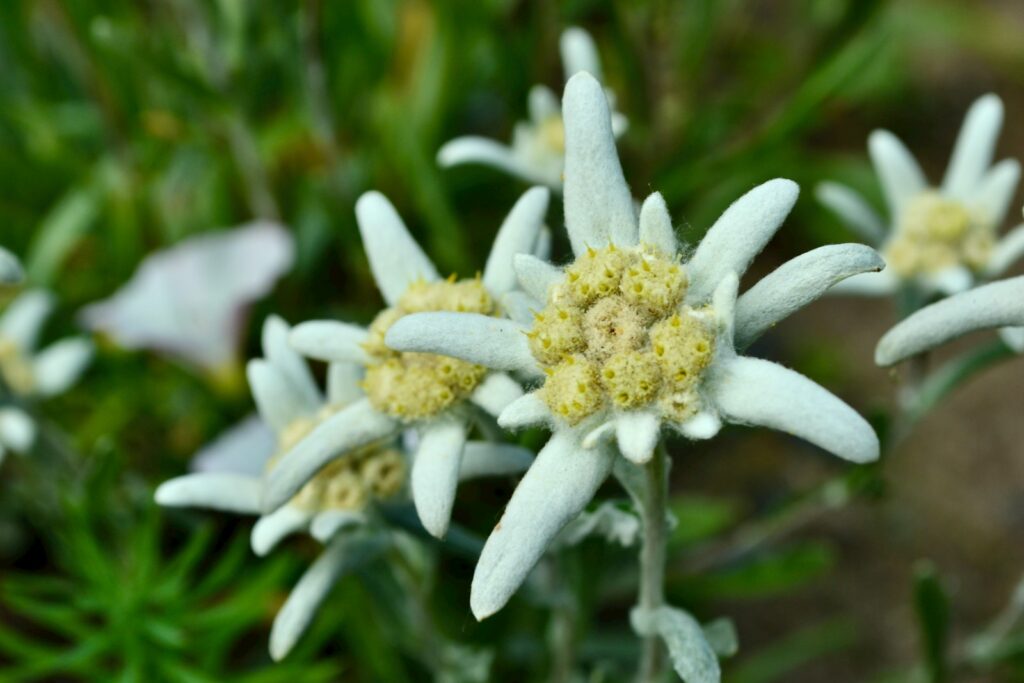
(652, 559)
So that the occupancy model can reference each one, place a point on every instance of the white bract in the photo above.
(630, 337)
(995, 305)
(436, 396)
(27, 375)
(11, 272)
(939, 239)
(190, 301)
(537, 152)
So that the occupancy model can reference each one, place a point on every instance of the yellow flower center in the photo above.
(552, 132)
(413, 386)
(16, 367)
(616, 334)
(935, 233)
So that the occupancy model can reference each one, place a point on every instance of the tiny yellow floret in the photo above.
(573, 389)
(934, 233)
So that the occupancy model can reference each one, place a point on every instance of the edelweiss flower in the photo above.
(337, 506)
(190, 301)
(991, 306)
(25, 375)
(537, 153)
(937, 238)
(436, 396)
(630, 337)
(10, 268)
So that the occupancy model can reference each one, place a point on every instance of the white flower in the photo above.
(27, 375)
(437, 396)
(190, 301)
(10, 268)
(995, 305)
(335, 507)
(537, 152)
(942, 238)
(630, 337)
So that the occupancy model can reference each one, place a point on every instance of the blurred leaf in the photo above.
(60, 231)
(778, 661)
(932, 608)
(700, 517)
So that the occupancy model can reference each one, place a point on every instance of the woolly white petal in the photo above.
(599, 435)
(1008, 251)
(796, 283)
(60, 364)
(598, 205)
(517, 235)
(559, 484)
(999, 304)
(477, 150)
(542, 104)
(542, 247)
(757, 392)
(579, 53)
(724, 304)
(216, 491)
(974, 148)
(704, 425)
(353, 427)
(244, 448)
(277, 401)
(330, 522)
(24, 318)
(994, 194)
(883, 283)
(656, 225)
(343, 383)
(1013, 337)
(496, 392)
(278, 350)
(343, 555)
(17, 429)
(739, 235)
(330, 340)
(489, 459)
(520, 306)
(855, 212)
(270, 529)
(898, 171)
(527, 411)
(11, 272)
(396, 260)
(435, 473)
(536, 277)
(492, 342)
(637, 435)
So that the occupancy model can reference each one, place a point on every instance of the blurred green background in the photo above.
(128, 126)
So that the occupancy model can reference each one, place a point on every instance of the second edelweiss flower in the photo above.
(630, 337)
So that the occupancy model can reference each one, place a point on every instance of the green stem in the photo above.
(562, 629)
(652, 559)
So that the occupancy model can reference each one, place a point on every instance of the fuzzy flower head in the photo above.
(635, 334)
(537, 152)
(942, 238)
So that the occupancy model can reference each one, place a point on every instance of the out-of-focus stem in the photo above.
(652, 559)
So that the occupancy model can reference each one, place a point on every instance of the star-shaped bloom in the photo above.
(537, 152)
(992, 306)
(11, 272)
(939, 239)
(437, 397)
(632, 336)
(337, 507)
(27, 375)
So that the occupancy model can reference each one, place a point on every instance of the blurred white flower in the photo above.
(336, 506)
(940, 239)
(11, 272)
(437, 396)
(630, 337)
(27, 375)
(190, 301)
(537, 152)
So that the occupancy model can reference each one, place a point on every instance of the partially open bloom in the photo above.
(190, 301)
(939, 239)
(437, 397)
(337, 506)
(992, 306)
(10, 268)
(27, 375)
(633, 335)
(537, 152)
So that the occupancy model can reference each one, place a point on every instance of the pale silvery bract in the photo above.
(27, 375)
(537, 152)
(991, 306)
(941, 239)
(437, 397)
(11, 272)
(622, 376)
(190, 301)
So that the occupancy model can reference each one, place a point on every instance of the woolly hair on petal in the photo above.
(435, 473)
(656, 225)
(527, 411)
(491, 459)
(517, 235)
(496, 393)
(330, 341)
(536, 277)
(999, 304)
